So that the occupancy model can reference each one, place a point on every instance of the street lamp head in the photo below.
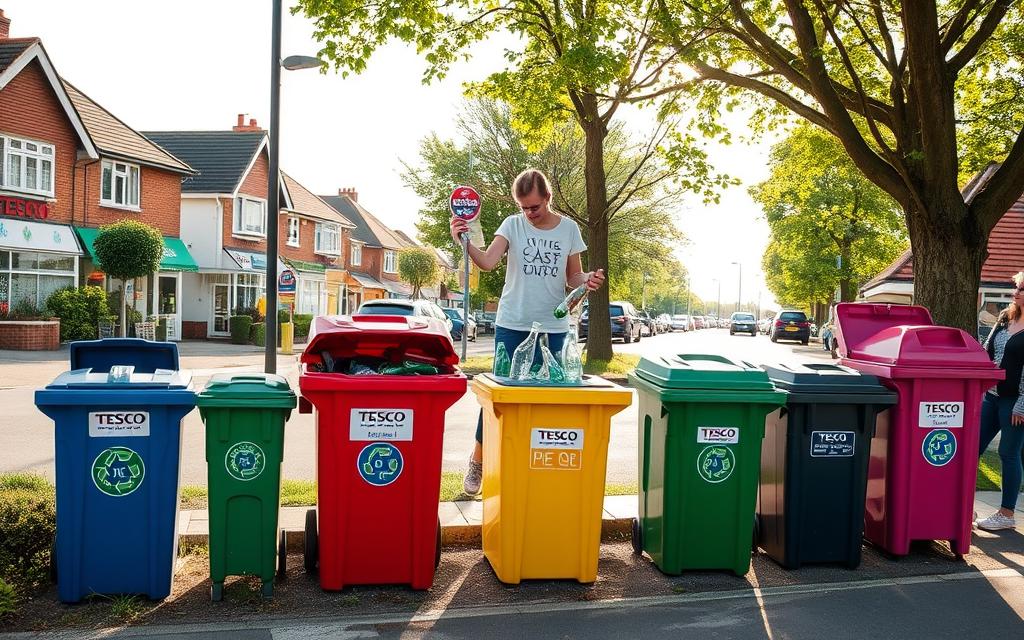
(294, 63)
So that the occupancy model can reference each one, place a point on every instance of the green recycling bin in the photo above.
(701, 421)
(244, 415)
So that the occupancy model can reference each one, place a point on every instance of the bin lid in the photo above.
(266, 390)
(823, 378)
(904, 335)
(703, 371)
(121, 378)
(145, 355)
(394, 338)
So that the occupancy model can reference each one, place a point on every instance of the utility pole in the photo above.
(688, 295)
(739, 292)
(718, 302)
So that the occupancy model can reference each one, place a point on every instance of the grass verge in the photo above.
(618, 366)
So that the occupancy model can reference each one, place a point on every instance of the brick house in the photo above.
(223, 222)
(67, 166)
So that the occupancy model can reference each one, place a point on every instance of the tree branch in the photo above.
(959, 23)
(1003, 189)
(985, 30)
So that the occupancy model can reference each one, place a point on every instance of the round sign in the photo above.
(118, 471)
(465, 203)
(380, 463)
(939, 447)
(245, 461)
(715, 464)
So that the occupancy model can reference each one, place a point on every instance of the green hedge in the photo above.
(27, 525)
(79, 310)
(8, 600)
(258, 334)
(302, 322)
(240, 328)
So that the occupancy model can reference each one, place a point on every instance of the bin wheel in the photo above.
(53, 561)
(268, 590)
(638, 537)
(311, 555)
(282, 555)
(437, 548)
(756, 538)
(217, 591)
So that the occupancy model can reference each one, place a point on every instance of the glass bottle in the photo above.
(502, 364)
(522, 357)
(572, 359)
(571, 301)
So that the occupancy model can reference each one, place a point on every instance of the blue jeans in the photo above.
(995, 418)
(512, 339)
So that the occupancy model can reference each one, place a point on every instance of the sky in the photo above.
(195, 65)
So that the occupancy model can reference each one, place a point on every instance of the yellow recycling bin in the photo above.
(287, 338)
(545, 456)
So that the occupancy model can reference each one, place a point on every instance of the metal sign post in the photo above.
(464, 203)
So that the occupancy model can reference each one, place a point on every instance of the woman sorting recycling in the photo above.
(543, 248)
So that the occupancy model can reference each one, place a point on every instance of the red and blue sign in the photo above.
(465, 203)
(286, 282)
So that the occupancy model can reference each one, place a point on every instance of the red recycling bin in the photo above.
(379, 443)
(924, 456)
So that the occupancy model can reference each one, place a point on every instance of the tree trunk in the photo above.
(124, 306)
(599, 331)
(947, 266)
(847, 287)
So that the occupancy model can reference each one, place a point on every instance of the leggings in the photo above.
(512, 339)
(995, 418)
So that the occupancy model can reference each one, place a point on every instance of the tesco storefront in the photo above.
(36, 258)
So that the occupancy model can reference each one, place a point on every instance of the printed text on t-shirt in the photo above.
(541, 256)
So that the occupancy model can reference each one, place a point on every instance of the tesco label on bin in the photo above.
(941, 414)
(718, 435)
(556, 448)
(118, 424)
(380, 424)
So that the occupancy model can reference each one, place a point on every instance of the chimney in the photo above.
(241, 126)
(5, 26)
(352, 194)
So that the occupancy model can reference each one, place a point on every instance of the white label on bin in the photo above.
(718, 435)
(556, 448)
(833, 444)
(380, 424)
(118, 424)
(941, 414)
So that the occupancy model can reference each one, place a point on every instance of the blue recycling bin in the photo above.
(118, 445)
(145, 355)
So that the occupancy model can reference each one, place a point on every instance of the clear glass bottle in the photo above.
(522, 357)
(572, 359)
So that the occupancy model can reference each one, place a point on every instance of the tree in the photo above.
(918, 94)
(418, 267)
(831, 228)
(577, 62)
(126, 250)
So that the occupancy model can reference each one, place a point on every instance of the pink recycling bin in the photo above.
(924, 456)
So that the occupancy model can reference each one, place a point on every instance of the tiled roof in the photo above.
(406, 240)
(113, 137)
(12, 48)
(219, 157)
(1005, 245)
(368, 229)
(304, 202)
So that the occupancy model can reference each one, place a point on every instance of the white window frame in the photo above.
(132, 176)
(392, 258)
(26, 149)
(239, 228)
(293, 232)
(321, 245)
(356, 257)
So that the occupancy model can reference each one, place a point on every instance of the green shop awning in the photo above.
(302, 265)
(176, 255)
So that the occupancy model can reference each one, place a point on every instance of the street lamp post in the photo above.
(718, 302)
(739, 291)
(274, 178)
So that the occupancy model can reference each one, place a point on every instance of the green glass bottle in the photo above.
(502, 363)
(571, 301)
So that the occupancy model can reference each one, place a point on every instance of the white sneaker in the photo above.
(996, 522)
(474, 476)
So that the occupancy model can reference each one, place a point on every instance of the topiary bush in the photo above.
(258, 334)
(27, 525)
(79, 310)
(240, 328)
(302, 322)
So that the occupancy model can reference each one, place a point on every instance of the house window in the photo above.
(390, 262)
(119, 186)
(250, 217)
(327, 239)
(311, 297)
(26, 165)
(29, 277)
(293, 232)
(248, 289)
(357, 254)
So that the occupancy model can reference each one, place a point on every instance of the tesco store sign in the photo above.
(22, 208)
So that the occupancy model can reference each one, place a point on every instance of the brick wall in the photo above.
(193, 330)
(41, 335)
(160, 199)
(29, 108)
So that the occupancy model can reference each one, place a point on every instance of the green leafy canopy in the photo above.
(128, 249)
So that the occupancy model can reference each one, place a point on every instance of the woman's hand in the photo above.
(459, 226)
(1017, 419)
(596, 280)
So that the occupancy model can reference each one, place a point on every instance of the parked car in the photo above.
(399, 307)
(828, 339)
(456, 317)
(485, 321)
(742, 322)
(698, 322)
(682, 322)
(712, 322)
(626, 323)
(650, 327)
(664, 322)
(764, 325)
(791, 325)
(723, 323)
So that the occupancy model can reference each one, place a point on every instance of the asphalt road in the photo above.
(26, 435)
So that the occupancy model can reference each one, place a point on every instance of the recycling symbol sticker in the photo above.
(380, 463)
(118, 471)
(715, 464)
(939, 447)
(245, 461)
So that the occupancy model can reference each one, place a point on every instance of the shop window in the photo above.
(119, 185)
(293, 232)
(250, 216)
(327, 239)
(26, 165)
(390, 262)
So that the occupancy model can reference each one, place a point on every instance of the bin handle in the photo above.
(647, 451)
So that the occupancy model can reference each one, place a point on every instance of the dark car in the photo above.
(791, 325)
(456, 316)
(742, 322)
(626, 323)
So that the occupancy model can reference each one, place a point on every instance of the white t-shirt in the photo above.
(535, 278)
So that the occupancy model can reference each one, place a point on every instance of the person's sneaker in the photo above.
(997, 521)
(474, 475)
